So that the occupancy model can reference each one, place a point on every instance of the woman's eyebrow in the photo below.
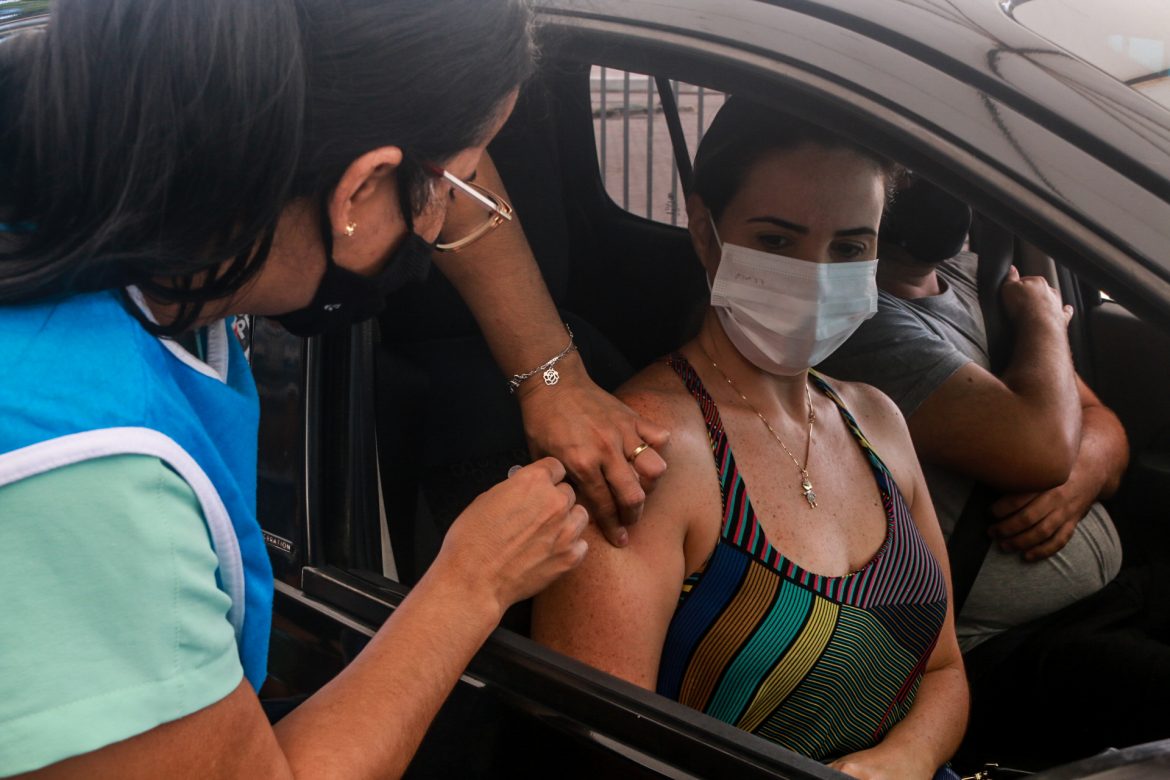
(781, 223)
(858, 231)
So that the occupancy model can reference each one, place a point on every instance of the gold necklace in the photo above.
(806, 486)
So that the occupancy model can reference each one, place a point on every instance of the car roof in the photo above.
(977, 41)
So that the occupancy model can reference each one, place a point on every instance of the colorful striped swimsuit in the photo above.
(821, 665)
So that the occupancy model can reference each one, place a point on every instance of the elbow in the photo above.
(1053, 452)
(1038, 463)
(1054, 461)
(1115, 470)
(1053, 474)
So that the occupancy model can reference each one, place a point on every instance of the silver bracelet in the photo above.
(551, 375)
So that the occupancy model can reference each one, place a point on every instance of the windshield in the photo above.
(1128, 39)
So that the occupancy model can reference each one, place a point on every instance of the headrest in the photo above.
(927, 222)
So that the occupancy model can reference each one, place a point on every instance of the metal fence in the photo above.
(633, 141)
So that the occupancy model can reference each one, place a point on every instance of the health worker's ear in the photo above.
(368, 185)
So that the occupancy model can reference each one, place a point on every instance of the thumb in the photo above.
(1013, 274)
(653, 434)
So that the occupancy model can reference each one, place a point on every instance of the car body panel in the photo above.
(1037, 139)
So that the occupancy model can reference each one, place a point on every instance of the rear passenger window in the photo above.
(633, 142)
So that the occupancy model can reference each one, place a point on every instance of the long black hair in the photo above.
(156, 142)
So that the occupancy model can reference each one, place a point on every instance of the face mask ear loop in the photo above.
(714, 229)
(404, 200)
(719, 241)
(327, 231)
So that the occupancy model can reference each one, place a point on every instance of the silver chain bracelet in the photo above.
(551, 375)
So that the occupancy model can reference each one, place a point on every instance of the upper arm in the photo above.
(976, 425)
(960, 415)
(121, 626)
(230, 738)
(614, 609)
(899, 354)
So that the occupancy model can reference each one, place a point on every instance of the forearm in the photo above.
(1042, 378)
(370, 719)
(500, 282)
(1104, 450)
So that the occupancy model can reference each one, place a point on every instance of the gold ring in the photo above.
(639, 450)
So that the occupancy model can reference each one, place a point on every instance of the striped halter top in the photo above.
(823, 666)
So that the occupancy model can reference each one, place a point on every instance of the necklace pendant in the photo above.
(809, 495)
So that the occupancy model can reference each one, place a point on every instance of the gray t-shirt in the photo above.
(908, 350)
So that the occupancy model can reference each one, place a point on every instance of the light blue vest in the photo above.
(81, 378)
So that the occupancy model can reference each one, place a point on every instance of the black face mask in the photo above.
(344, 298)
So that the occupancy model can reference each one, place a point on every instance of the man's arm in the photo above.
(1021, 431)
(1040, 524)
(586, 428)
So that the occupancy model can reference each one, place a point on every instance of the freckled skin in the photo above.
(821, 206)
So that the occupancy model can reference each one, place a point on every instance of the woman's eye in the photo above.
(849, 251)
(773, 241)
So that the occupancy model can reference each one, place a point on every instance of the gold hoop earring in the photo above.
(350, 227)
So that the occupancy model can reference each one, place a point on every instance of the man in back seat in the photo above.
(1052, 679)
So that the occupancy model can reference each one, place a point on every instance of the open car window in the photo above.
(634, 149)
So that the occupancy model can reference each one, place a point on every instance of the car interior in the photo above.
(631, 288)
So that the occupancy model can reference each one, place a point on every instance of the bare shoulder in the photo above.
(884, 426)
(657, 393)
(654, 389)
(869, 405)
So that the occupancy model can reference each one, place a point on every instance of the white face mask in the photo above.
(784, 314)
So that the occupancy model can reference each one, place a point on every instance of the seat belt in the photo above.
(995, 247)
(969, 543)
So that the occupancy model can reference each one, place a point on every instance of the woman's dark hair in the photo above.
(744, 131)
(150, 142)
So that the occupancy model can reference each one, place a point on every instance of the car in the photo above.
(1050, 117)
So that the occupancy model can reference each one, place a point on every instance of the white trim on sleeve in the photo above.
(78, 447)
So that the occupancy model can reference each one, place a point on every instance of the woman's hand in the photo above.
(596, 436)
(881, 764)
(516, 538)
